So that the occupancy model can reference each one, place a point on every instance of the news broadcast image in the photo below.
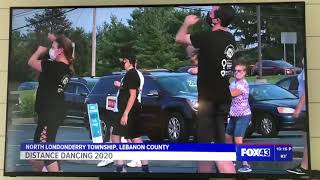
(157, 89)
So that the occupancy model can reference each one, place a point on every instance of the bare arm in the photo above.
(299, 106)
(235, 92)
(34, 61)
(182, 36)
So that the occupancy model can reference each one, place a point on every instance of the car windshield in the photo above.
(179, 85)
(264, 92)
(283, 64)
(91, 83)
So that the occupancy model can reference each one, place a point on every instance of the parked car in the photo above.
(275, 67)
(169, 104)
(30, 85)
(290, 83)
(75, 94)
(103, 88)
(272, 109)
(184, 69)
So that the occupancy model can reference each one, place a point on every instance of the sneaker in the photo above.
(44, 169)
(245, 169)
(298, 170)
(123, 140)
(104, 163)
(134, 163)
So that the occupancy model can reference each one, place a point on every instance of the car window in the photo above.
(294, 84)
(106, 85)
(267, 64)
(70, 88)
(81, 89)
(283, 64)
(149, 85)
(285, 84)
(179, 85)
(264, 92)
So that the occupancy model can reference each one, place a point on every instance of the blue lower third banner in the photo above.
(264, 152)
(155, 151)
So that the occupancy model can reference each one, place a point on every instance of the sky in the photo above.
(81, 17)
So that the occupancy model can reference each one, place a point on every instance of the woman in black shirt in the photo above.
(49, 105)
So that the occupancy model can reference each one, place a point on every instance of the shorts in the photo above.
(237, 126)
(47, 127)
(211, 121)
(132, 129)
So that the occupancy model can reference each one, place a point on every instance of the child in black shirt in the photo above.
(129, 108)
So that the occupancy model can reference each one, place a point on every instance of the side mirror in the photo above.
(84, 94)
(153, 93)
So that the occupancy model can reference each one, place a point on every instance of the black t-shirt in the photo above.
(216, 49)
(130, 81)
(52, 81)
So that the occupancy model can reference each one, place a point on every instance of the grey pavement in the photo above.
(74, 131)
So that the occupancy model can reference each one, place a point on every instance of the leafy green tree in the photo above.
(111, 37)
(274, 20)
(83, 51)
(47, 21)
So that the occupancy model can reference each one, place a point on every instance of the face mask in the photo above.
(52, 55)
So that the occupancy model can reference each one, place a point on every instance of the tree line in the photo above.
(151, 33)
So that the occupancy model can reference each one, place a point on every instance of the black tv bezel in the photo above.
(105, 175)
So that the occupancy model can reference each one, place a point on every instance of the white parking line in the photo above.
(297, 147)
(17, 124)
(75, 127)
(13, 145)
(14, 130)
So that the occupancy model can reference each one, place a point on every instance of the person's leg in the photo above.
(119, 163)
(220, 117)
(303, 167)
(145, 163)
(242, 123)
(230, 131)
(204, 131)
(134, 136)
(305, 162)
(37, 165)
(54, 120)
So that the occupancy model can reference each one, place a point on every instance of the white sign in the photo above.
(288, 37)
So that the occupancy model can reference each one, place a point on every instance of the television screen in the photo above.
(185, 90)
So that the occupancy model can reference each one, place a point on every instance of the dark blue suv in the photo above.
(75, 94)
(169, 104)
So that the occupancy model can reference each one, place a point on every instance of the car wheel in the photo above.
(176, 128)
(268, 127)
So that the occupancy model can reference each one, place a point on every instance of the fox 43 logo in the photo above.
(255, 152)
